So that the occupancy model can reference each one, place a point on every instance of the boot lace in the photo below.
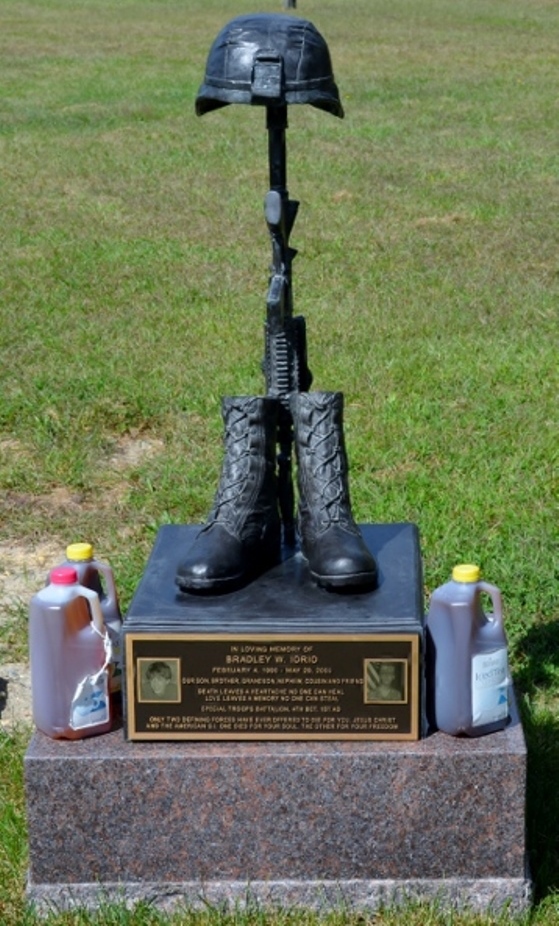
(328, 468)
(236, 464)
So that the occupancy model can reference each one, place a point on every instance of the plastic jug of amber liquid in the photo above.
(467, 671)
(69, 652)
(99, 577)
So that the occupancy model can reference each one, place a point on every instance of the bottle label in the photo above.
(90, 704)
(490, 687)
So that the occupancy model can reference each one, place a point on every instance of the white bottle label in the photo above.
(90, 704)
(490, 687)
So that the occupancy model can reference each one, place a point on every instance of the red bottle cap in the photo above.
(63, 575)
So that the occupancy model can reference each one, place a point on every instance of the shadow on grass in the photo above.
(539, 658)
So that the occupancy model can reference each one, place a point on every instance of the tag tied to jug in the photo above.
(275, 61)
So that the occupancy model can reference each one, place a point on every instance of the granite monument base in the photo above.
(315, 824)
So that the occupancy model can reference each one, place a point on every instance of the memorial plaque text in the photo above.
(267, 686)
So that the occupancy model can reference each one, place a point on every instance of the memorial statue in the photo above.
(274, 61)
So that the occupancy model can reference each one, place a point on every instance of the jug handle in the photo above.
(495, 595)
(95, 608)
(98, 622)
(111, 599)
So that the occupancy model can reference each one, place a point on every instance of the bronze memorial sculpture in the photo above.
(273, 61)
(263, 625)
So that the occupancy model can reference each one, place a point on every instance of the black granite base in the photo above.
(285, 599)
(280, 658)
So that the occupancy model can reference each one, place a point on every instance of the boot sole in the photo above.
(231, 583)
(364, 580)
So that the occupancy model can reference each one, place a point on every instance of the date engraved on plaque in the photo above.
(205, 686)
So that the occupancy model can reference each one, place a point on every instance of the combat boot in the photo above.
(242, 535)
(330, 539)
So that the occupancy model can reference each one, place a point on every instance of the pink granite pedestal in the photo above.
(314, 824)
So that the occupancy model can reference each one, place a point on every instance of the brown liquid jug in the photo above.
(99, 576)
(467, 672)
(70, 653)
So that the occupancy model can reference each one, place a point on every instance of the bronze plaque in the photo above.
(205, 686)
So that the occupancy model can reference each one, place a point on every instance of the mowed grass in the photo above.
(133, 271)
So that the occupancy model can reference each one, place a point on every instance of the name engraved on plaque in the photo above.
(205, 686)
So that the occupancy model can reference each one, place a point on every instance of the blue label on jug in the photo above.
(90, 704)
(490, 687)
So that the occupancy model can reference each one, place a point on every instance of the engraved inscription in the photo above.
(311, 687)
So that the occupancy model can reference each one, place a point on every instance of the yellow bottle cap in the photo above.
(79, 552)
(466, 572)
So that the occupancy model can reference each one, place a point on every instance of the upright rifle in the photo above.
(285, 359)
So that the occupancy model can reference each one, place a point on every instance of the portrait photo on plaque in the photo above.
(159, 680)
(386, 681)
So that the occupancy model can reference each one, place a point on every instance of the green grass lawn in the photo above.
(133, 276)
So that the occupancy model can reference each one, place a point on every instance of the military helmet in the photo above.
(269, 59)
